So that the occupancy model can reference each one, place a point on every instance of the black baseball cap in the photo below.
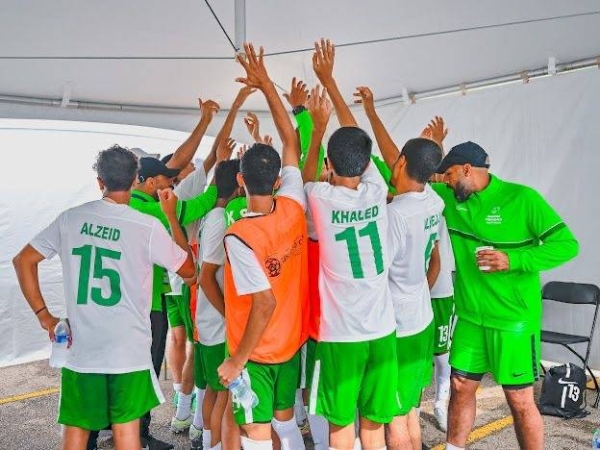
(152, 167)
(465, 153)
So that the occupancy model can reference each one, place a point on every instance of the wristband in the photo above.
(40, 310)
(298, 109)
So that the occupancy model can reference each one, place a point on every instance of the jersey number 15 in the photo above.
(100, 272)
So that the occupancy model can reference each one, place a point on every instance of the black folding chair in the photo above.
(574, 294)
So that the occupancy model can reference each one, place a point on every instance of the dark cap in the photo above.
(152, 167)
(465, 153)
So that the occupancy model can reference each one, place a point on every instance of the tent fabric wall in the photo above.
(543, 134)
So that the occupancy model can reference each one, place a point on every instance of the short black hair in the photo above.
(423, 156)
(225, 177)
(260, 167)
(349, 151)
(117, 168)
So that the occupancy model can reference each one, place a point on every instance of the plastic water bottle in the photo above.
(243, 394)
(596, 439)
(58, 356)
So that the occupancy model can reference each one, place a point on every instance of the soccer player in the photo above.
(414, 217)
(107, 251)
(498, 292)
(356, 347)
(210, 308)
(266, 279)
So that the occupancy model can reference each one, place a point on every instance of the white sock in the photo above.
(206, 437)
(442, 379)
(251, 444)
(198, 419)
(453, 447)
(184, 406)
(299, 409)
(177, 387)
(216, 447)
(319, 429)
(289, 434)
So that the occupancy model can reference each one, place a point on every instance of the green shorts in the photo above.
(199, 378)
(309, 352)
(443, 317)
(415, 367)
(212, 357)
(93, 401)
(275, 386)
(351, 375)
(513, 357)
(178, 311)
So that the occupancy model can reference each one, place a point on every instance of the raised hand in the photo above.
(243, 94)
(436, 130)
(208, 109)
(365, 96)
(323, 59)
(253, 64)
(225, 149)
(241, 151)
(267, 140)
(319, 107)
(298, 93)
(168, 202)
(253, 126)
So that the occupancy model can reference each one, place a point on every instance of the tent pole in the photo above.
(240, 24)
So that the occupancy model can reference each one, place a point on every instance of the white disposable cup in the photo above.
(477, 250)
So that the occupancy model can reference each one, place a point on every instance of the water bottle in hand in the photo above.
(596, 439)
(58, 356)
(242, 393)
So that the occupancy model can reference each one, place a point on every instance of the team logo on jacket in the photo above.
(494, 218)
(273, 267)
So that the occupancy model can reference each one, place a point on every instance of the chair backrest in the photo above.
(574, 293)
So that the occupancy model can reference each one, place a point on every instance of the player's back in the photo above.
(352, 229)
(107, 251)
(414, 219)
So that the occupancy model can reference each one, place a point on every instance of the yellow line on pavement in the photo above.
(483, 431)
(27, 396)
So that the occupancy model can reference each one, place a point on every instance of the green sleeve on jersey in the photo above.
(194, 209)
(305, 129)
(385, 172)
(557, 244)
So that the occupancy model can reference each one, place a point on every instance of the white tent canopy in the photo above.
(145, 63)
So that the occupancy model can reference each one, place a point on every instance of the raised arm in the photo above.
(225, 130)
(257, 76)
(323, 60)
(386, 145)
(319, 108)
(186, 151)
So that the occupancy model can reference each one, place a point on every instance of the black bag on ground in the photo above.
(563, 392)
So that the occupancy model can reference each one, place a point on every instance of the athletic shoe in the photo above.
(149, 442)
(195, 433)
(196, 438)
(441, 417)
(179, 426)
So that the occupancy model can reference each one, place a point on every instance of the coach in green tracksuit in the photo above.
(497, 289)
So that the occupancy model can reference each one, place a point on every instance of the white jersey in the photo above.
(351, 226)
(414, 219)
(107, 251)
(443, 286)
(210, 323)
(190, 187)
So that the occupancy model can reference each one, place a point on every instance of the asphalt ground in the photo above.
(29, 400)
